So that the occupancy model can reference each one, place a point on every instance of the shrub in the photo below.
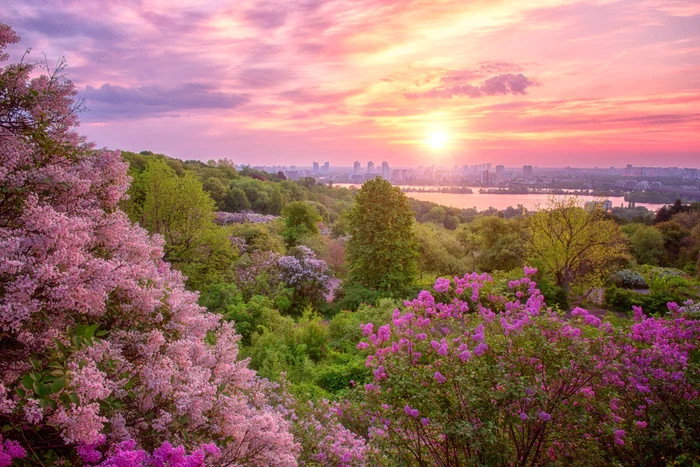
(629, 279)
(464, 377)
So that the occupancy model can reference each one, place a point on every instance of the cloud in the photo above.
(267, 16)
(263, 77)
(60, 24)
(110, 102)
(507, 83)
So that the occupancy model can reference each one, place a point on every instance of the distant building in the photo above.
(606, 205)
(527, 172)
(315, 169)
(370, 168)
(386, 171)
(325, 170)
(356, 168)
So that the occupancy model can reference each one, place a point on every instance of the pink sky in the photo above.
(545, 82)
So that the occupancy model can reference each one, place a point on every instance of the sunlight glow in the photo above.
(437, 140)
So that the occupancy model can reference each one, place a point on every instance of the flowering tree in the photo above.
(102, 350)
(305, 277)
(466, 377)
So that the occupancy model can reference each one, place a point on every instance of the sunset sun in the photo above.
(437, 140)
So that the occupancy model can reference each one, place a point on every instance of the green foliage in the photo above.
(647, 245)
(575, 246)
(495, 243)
(382, 249)
(349, 296)
(623, 300)
(440, 251)
(258, 237)
(301, 220)
(178, 208)
(436, 215)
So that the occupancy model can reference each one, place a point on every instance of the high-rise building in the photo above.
(527, 172)
(356, 169)
(370, 168)
(315, 170)
(325, 169)
(386, 171)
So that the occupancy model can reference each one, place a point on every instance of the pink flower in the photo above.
(410, 412)
(439, 377)
(641, 424)
(442, 285)
(480, 349)
(544, 416)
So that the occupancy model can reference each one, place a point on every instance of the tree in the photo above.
(576, 246)
(647, 245)
(494, 243)
(300, 220)
(436, 215)
(101, 347)
(382, 248)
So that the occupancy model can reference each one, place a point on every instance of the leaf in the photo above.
(58, 384)
(27, 381)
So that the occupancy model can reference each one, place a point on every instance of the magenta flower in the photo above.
(480, 349)
(544, 416)
(410, 412)
(442, 285)
(439, 377)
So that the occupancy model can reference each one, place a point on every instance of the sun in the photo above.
(437, 140)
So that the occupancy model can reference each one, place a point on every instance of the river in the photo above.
(499, 201)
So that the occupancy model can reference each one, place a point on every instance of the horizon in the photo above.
(597, 83)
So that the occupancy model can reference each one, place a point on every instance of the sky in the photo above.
(413, 82)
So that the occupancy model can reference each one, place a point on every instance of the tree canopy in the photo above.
(382, 248)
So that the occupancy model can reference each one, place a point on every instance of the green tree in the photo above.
(436, 215)
(575, 246)
(181, 211)
(300, 220)
(382, 248)
(647, 245)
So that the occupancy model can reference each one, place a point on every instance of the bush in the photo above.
(629, 279)
(623, 300)
(506, 382)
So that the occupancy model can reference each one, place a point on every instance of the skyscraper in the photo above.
(386, 171)
(527, 172)
(315, 170)
(370, 168)
(356, 168)
(326, 168)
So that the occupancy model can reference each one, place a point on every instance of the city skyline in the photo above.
(548, 83)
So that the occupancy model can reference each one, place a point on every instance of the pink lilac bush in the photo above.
(325, 440)
(100, 344)
(478, 378)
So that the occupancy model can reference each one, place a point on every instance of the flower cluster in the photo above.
(224, 218)
(10, 450)
(480, 376)
(325, 440)
(127, 454)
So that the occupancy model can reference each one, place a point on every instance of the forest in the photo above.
(161, 312)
